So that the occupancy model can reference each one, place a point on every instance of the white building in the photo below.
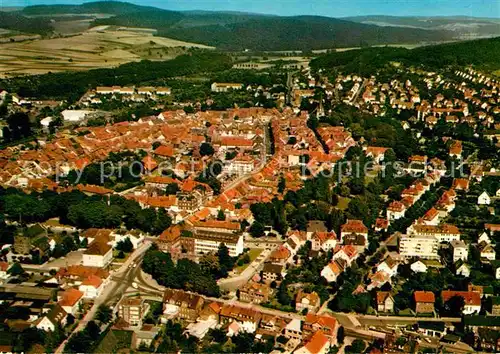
(464, 270)
(418, 267)
(98, 254)
(209, 235)
(442, 233)
(91, 287)
(460, 250)
(422, 246)
(225, 87)
(484, 199)
(240, 165)
(331, 271)
(75, 116)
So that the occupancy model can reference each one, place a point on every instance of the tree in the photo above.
(220, 215)
(16, 269)
(257, 229)
(206, 149)
(172, 189)
(356, 347)
(125, 245)
(454, 306)
(104, 314)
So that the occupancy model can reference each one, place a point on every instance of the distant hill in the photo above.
(97, 7)
(298, 33)
(483, 53)
(463, 26)
(16, 22)
(239, 31)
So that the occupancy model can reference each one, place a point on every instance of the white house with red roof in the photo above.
(4, 266)
(70, 301)
(91, 287)
(317, 344)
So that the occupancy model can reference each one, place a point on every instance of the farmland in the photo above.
(103, 46)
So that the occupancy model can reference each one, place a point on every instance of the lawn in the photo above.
(253, 254)
(343, 203)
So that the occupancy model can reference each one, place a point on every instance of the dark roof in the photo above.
(435, 326)
(482, 321)
(272, 268)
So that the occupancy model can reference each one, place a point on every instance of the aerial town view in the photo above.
(244, 176)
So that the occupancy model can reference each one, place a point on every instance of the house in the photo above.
(332, 270)
(225, 87)
(418, 267)
(460, 250)
(307, 301)
(272, 272)
(293, 330)
(484, 199)
(495, 305)
(317, 344)
(424, 301)
(145, 335)
(347, 253)
(185, 306)
(254, 292)
(132, 310)
(487, 251)
(56, 316)
(396, 210)
(390, 266)
(91, 287)
(323, 241)
(442, 233)
(472, 300)
(99, 254)
(325, 323)
(385, 301)
(432, 329)
(4, 266)
(495, 265)
(461, 184)
(70, 301)
(462, 269)
(354, 232)
(247, 318)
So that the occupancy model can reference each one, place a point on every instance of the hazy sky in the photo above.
(331, 8)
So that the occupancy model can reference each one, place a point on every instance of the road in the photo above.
(232, 284)
(121, 280)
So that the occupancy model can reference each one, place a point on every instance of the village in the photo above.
(263, 227)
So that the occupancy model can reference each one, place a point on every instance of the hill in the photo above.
(299, 33)
(16, 22)
(97, 7)
(462, 26)
(239, 31)
(483, 53)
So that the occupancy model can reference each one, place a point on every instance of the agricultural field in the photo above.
(98, 47)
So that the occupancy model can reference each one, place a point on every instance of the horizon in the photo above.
(337, 9)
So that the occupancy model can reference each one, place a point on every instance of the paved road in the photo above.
(234, 283)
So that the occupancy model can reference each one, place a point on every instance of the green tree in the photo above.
(104, 314)
(16, 269)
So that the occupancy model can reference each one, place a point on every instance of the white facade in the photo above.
(46, 325)
(460, 250)
(419, 246)
(90, 291)
(96, 260)
(484, 199)
(464, 270)
(418, 267)
(212, 246)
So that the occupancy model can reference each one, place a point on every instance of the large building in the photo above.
(209, 235)
(132, 310)
(421, 246)
(225, 87)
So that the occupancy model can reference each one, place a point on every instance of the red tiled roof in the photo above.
(424, 296)
(92, 280)
(354, 226)
(317, 342)
(470, 297)
(70, 297)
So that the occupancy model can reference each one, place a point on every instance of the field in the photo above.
(96, 48)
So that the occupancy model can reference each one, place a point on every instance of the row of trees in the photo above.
(76, 208)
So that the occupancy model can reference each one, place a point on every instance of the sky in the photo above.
(330, 8)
